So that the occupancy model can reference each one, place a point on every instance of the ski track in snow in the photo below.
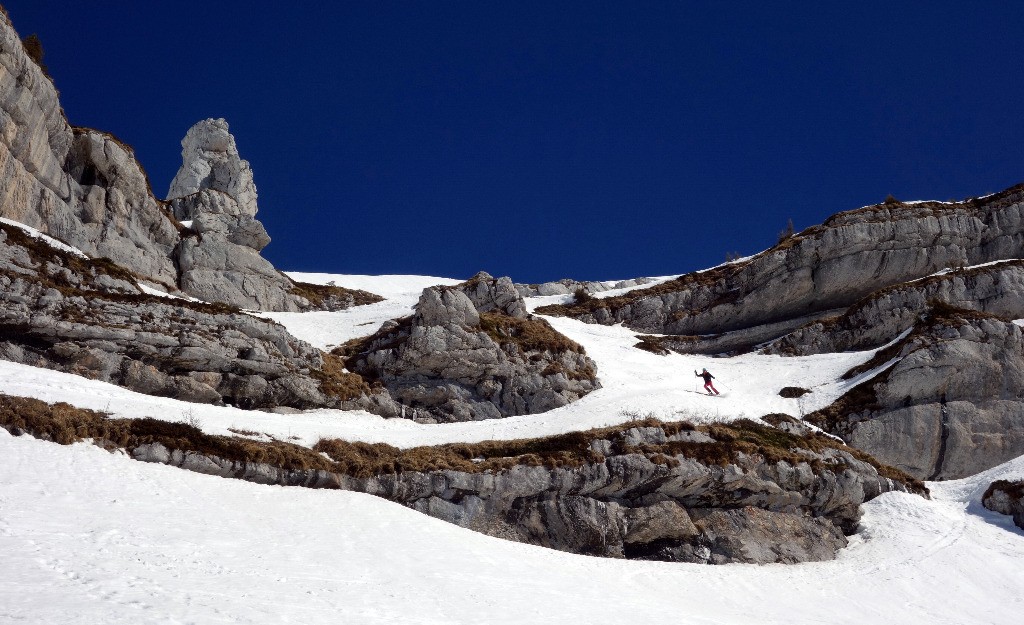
(90, 537)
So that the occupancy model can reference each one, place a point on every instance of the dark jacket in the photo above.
(707, 377)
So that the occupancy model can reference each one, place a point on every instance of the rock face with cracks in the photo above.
(86, 188)
(471, 352)
(91, 318)
(947, 403)
(219, 258)
(79, 185)
(996, 289)
(816, 273)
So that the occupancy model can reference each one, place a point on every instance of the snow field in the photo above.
(91, 538)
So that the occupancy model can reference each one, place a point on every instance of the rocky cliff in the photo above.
(816, 273)
(996, 289)
(90, 317)
(949, 402)
(472, 352)
(742, 492)
(86, 188)
(79, 185)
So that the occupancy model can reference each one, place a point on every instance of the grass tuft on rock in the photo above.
(732, 443)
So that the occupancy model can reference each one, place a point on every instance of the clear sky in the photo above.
(542, 140)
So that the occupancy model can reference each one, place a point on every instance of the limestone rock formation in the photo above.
(654, 491)
(1006, 497)
(79, 185)
(91, 318)
(817, 273)
(210, 160)
(470, 352)
(949, 405)
(219, 259)
(996, 289)
(86, 188)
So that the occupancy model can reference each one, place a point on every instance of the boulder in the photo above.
(1006, 497)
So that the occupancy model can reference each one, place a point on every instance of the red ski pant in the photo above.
(708, 386)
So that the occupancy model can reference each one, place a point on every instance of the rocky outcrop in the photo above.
(568, 286)
(471, 352)
(91, 318)
(652, 491)
(949, 404)
(78, 185)
(214, 192)
(882, 316)
(742, 492)
(86, 188)
(1006, 497)
(819, 270)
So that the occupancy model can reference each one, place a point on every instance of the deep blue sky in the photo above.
(551, 139)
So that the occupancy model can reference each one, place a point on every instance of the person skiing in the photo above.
(708, 386)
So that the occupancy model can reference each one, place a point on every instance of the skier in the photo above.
(708, 386)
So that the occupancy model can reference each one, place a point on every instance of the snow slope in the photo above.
(94, 538)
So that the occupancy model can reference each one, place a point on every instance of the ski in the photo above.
(703, 393)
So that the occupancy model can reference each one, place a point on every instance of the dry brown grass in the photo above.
(793, 392)
(66, 424)
(318, 294)
(34, 50)
(860, 399)
(335, 381)
(529, 335)
(653, 344)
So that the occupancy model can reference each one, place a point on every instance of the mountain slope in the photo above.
(147, 543)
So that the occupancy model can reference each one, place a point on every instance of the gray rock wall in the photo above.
(950, 406)
(90, 318)
(86, 188)
(78, 185)
(883, 315)
(823, 268)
